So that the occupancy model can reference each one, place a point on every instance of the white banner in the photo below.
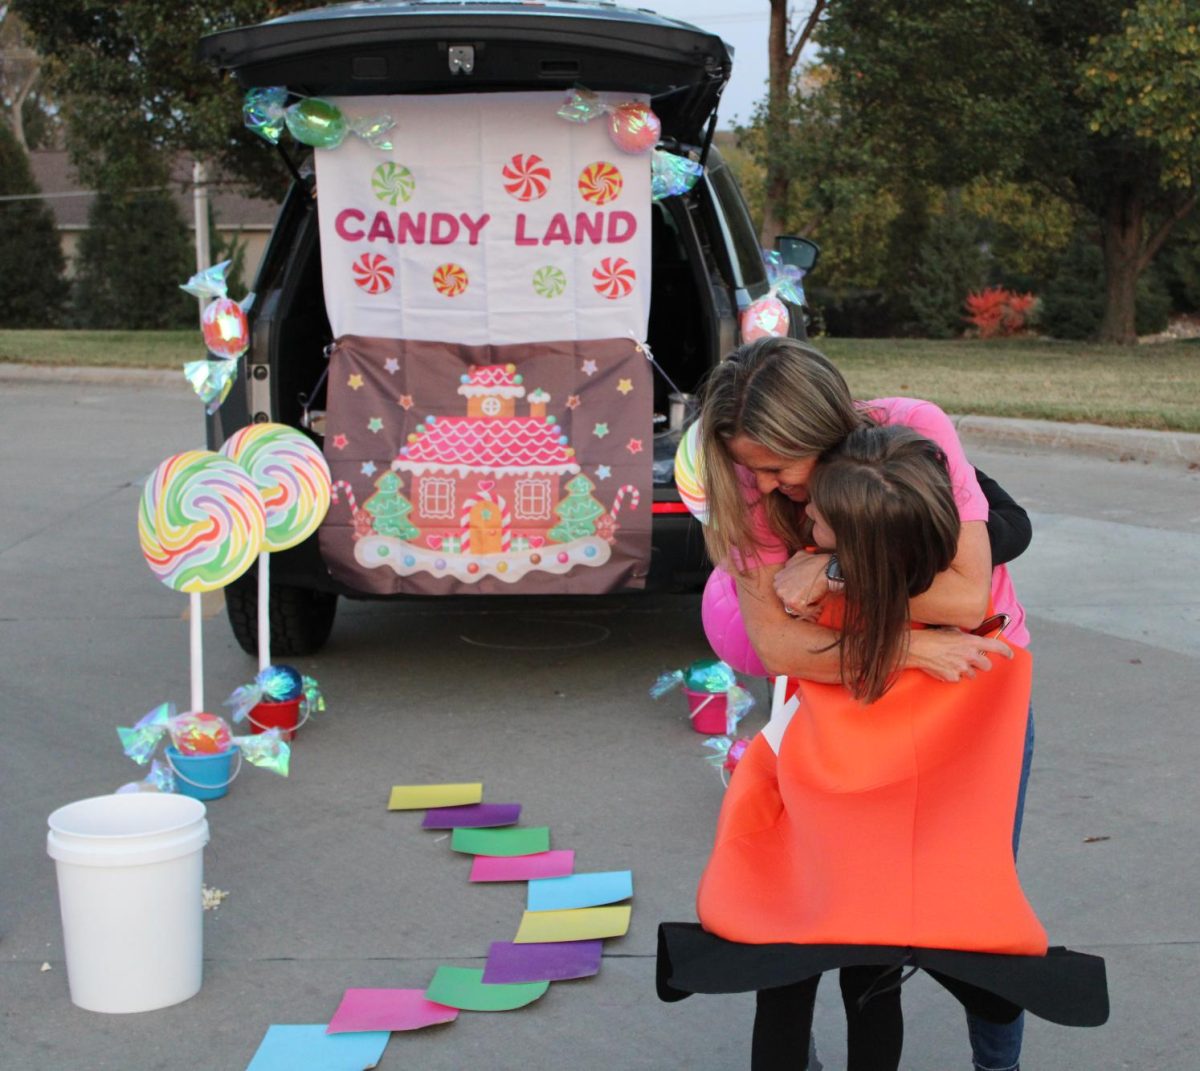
(491, 221)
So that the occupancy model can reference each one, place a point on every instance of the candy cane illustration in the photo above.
(618, 501)
(351, 501)
(464, 520)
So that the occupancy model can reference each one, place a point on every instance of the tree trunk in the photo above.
(778, 84)
(1122, 242)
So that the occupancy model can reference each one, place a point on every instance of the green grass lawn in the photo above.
(1150, 386)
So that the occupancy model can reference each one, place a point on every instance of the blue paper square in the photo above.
(580, 890)
(309, 1048)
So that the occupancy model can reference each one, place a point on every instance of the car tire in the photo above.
(301, 618)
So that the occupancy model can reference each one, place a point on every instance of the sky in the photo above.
(742, 24)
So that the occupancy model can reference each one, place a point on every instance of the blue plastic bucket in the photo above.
(203, 777)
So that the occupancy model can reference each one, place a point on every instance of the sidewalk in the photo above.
(1119, 444)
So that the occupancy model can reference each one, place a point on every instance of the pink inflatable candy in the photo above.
(722, 620)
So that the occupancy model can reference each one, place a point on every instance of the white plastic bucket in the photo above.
(130, 886)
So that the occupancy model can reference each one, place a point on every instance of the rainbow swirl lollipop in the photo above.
(689, 474)
(200, 521)
(292, 478)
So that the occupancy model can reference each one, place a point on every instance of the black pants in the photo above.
(874, 1032)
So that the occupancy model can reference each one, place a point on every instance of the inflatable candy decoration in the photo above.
(634, 128)
(211, 380)
(671, 175)
(723, 627)
(263, 112)
(200, 733)
(317, 122)
(223, 322)
(765, 318)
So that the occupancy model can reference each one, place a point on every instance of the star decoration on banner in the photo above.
(405, 401)
(355, 382)
(634, 446)
(589, 368)
(573, 401)
(600, 430)
(625, 385)
(391, 365)
(340, 442)
(368, 468)
(375, 424)
(603, 472)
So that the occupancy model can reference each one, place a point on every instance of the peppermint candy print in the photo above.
(450, 280)
(600, 183)
(614, 278)
(392, 183)
(373, 273)
(526, 177)
(549, 282)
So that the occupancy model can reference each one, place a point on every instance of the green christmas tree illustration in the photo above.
(577, 512)
(389, 509)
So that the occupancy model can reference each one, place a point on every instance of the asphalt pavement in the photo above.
(546, 701)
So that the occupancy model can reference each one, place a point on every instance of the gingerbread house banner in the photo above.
(490, 221)
(492, 469)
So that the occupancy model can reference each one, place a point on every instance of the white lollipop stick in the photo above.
(264, 610)
(197, 651)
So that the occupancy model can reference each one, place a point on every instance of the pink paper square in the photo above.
(387, 1009)
(552, 864)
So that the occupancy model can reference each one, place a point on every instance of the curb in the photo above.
(1097, 440)
(11, 372)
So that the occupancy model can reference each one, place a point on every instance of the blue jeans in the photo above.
(997, 1046)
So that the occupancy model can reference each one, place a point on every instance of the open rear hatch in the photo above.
(450, 46)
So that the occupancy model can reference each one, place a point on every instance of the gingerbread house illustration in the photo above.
(487, 482)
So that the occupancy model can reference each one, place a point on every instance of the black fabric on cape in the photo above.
(1064, 987)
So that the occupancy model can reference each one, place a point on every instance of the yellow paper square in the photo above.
(420, 797)
(575, 924)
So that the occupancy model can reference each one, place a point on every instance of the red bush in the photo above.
(998, 312)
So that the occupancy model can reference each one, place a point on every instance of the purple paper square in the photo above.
(472, 816)
(551, 961)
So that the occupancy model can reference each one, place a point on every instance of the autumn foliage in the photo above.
(998, 313)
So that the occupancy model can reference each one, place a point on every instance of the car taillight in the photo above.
(668, 507)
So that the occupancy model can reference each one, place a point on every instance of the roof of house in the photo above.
(504, 447)
(70, 202)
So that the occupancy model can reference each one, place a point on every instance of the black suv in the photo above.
(706, 260)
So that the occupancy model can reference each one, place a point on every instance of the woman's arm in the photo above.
(1009, 528)
(958, 596)
(795, 647)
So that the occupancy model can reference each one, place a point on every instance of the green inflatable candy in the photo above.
(316, 122)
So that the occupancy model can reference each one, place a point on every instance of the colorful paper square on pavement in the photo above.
(581, 924)
(554, 961)
(419, 797)
(517, 840)
(309, 1048)
(474, 816)
(580, 890)
(555, 864)
(388, 1009)
(463, 987)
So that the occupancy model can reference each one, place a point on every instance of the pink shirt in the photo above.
(928, 420)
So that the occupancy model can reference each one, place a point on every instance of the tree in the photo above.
(577, 512)
(950, 90)
(390, 509)
(32, 289)
(135, 95)
(132, 258)
(783, 53)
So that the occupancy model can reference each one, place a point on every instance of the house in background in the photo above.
(249, 219)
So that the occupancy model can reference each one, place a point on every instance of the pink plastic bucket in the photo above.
(710, 713)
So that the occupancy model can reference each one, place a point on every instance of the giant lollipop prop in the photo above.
(200, 523)
(293, 479)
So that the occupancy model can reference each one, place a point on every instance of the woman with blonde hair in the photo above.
(769, 413)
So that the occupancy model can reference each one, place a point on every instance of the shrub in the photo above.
(997, 312)
(132, 259)
(32, 289)
(949, 263)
